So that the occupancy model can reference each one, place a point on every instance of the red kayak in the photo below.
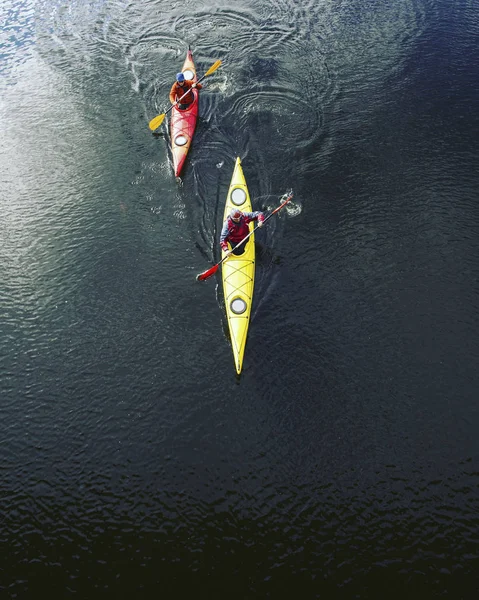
(183, 122)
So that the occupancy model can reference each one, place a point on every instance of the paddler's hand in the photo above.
(260, 223)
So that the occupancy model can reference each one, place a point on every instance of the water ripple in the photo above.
(343, 462)
(352, 532)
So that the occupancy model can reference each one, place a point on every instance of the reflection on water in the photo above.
(345, 459)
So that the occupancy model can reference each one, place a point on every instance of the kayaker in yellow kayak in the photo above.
(181, 87)
(235, 229)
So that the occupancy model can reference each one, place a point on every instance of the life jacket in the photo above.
(180, 90)
(238, 231)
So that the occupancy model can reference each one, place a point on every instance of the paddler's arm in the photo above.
(173, 94)
(224, 237)
(255, 216)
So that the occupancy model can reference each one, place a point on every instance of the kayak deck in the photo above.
(238, 271)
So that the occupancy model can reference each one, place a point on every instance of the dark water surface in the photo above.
(345, 461)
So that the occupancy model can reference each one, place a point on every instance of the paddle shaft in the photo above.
(288, 199)
(185, 94)
(212, 270)
(158, 120)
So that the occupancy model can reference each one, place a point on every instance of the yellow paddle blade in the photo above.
(156, 122)
(213, 68)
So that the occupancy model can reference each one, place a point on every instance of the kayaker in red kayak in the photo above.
(180, 87)
(235, 229)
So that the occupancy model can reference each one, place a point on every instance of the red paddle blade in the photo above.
(206, 274)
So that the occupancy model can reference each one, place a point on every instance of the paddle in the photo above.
(157, 121)
(214, 268)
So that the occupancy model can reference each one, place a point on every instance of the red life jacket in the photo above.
(177, 91)
(238, 231)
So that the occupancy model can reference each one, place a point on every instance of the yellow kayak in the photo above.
(238, 271)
